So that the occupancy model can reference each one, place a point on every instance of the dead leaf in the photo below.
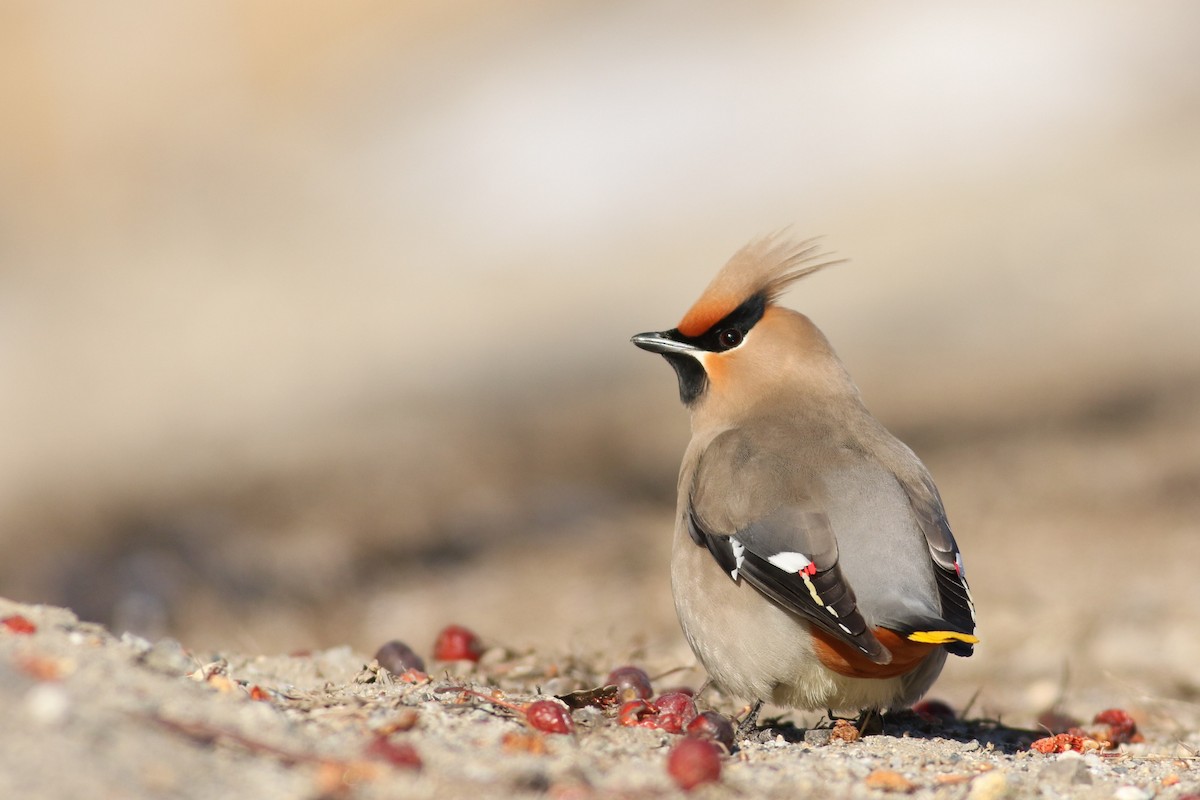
(600, 697)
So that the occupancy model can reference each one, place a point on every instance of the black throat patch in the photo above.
(692, 378)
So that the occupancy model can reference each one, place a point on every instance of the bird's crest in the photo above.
(766, 266)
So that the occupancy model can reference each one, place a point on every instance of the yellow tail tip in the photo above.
(942, 637)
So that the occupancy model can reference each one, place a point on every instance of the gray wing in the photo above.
(958, 607)
(761, 523)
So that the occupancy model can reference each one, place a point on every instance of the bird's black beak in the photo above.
(664, 343)
(683, 356)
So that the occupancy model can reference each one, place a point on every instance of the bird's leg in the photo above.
(870, 718)
(835, 719)
(749, 723)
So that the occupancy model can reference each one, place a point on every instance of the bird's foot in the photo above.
(869, 721)
(749, 723)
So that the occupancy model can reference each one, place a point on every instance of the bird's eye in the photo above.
(730, 337)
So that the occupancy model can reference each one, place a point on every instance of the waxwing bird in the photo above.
(813, 566)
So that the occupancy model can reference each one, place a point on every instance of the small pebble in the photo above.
(817, 737)
(169, 657)
(1066, 772)
(135, 642)
(1131, 793)
(47, 704)
(589, 716)
(988, 786)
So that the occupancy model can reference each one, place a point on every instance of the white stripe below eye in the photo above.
(789, 562)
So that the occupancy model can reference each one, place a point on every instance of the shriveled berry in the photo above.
(632, 683)
(713, 727)
(634, 711)
(397, 658)
(934, 710)
(549, 717)
(456, 643)
(1122, 728)
(693, 762)
(397, 754)
(675, 711)
(844, 731)
(1062, 742)
(18, 624)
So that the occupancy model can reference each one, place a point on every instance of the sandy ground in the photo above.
(90, 714)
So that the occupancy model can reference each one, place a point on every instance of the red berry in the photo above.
(456, 643)
(692, 762)
(397, 658)
(713, 727)
(632, 683)
(398, 755)
(1121, 726)
(675, 711)
(934, 710)
(18, 624)
(549, 717)
(634, 711)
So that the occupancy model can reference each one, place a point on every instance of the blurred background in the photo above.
(314, 317)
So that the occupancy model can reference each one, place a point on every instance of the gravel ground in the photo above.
(92, 714)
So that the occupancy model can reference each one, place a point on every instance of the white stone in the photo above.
(47, 704)
(1131, 793)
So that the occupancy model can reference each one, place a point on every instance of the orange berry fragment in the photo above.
(18, 624)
